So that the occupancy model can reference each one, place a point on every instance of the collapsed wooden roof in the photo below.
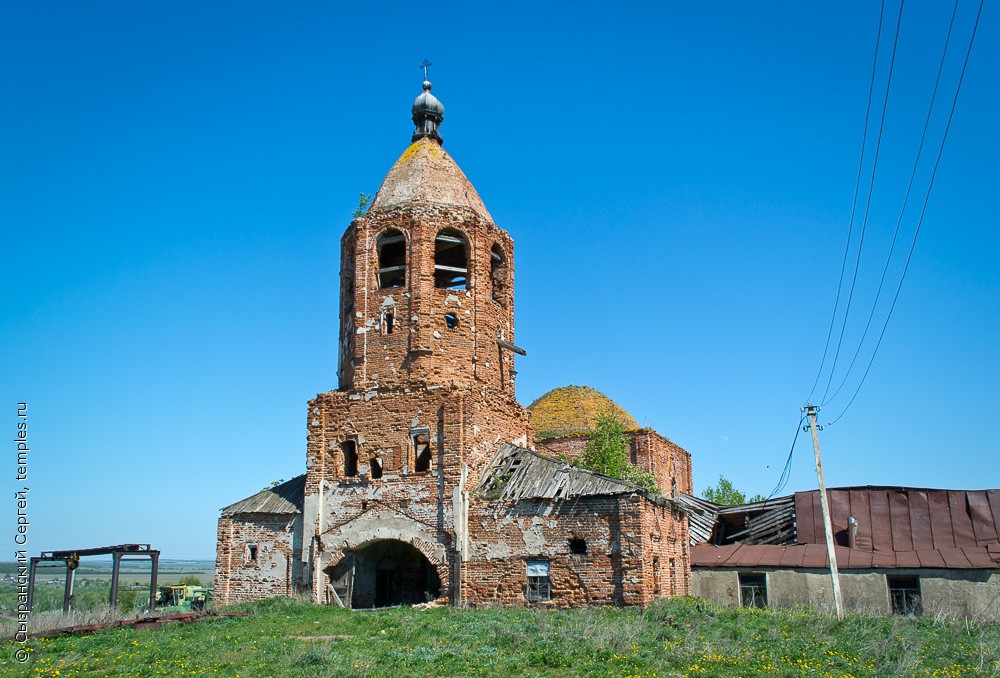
(517, 473)
(763, 522)
(285, 498)
(702, 515)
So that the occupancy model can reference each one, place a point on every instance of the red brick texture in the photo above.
(635, 550)
(276, 568)
(421, 349)
(416, 507)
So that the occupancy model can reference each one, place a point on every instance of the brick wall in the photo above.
(275, 568)
(464, 427)
(623, 534)
(666, 551)
(421, 348)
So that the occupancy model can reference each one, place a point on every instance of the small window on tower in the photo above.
(451, 320)
(251, 553)
(388, 320)
(498, 278)
(391, 247)
(422, 453)
(451, 260)
(349, 448)
(578, 546)
(376, 467)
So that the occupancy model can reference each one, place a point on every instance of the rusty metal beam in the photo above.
(511, 347)
(151, 623)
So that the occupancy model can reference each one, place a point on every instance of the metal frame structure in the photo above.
(71, 559)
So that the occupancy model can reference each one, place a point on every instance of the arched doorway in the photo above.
(384, 573)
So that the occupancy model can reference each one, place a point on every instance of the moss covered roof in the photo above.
(426, 173)
(572, 410)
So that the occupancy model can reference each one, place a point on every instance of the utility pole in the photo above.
(811, 411)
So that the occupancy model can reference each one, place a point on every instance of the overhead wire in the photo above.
(854, 204)
(902, 211)
(786, 473)
(868, 200)
(923, 211)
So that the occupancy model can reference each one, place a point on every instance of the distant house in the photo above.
(899, 550)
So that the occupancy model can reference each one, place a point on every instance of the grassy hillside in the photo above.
(671, 638)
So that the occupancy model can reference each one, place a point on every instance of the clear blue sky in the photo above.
(175, 179)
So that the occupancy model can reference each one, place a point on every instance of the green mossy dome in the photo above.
(572, 410)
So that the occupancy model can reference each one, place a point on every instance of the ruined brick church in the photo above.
(425, 478)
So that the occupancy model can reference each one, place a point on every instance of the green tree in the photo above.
(190, 580)
(724, 494)
(363, 202)
(607, 452)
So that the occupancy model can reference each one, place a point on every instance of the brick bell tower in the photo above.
(425, 384)
(427, 293)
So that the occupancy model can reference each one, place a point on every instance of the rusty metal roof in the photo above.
(897, 527)
(285, 498)
(901, 519)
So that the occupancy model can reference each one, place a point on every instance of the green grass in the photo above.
(671, 638)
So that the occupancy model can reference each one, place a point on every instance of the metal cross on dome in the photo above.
(427, 64)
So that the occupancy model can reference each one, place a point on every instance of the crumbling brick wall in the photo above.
(420, 346)
(666, 551)
(256, 557)
(622, 534)
(464, 427)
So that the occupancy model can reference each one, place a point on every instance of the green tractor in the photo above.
(182, 598)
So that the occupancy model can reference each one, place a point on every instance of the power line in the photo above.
(906, 198)
(923, 211)
(854, 205)
(786, 473)
(868, 201)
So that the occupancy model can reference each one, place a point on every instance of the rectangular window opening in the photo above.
(904, 595)
(388, 320)
(251, 553)
(451, 262)
(420, 439)
(349, 448)
(376, 468)
(539, 587)
(753, 589)
(391, 271)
